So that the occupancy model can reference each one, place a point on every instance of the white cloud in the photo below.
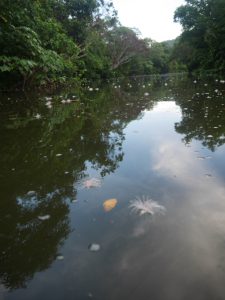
(167, 107)
(153, 18)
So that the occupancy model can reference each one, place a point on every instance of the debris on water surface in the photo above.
(109, 204)
(92, 182)
(43, 218)
(60, 257)
(58, 154)
(145, 205)
(37, 116)
(48, 104)
(31, 193)
(94, 247)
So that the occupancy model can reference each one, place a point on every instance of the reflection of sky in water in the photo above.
(179, 255)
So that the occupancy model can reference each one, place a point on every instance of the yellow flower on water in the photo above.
(109, 204)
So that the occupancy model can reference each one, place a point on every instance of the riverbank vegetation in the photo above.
(51, 42)
(201, 46)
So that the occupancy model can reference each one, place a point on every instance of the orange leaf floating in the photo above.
(109, 204)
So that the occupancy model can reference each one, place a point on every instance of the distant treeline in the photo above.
(50, 42)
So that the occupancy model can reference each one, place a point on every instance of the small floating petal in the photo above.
(38, 116)
(60, 257)
(43, 218)
(31, 193)
(94, 247)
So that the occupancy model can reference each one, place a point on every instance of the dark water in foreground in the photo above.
(158, 139)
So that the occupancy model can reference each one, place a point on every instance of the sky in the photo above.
(154, 18)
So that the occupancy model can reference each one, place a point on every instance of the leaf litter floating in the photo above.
(94, 247)
(43, 218)
(60, 257)
(31, 193)
(145, 205)
(109, 204)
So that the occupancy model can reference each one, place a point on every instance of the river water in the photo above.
(141, 142)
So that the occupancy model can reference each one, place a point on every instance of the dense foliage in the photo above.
(51, 40)
(201, 45)
(48, 42)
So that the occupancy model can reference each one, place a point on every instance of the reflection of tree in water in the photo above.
(203, 115)
(27, 244)
(82, 132)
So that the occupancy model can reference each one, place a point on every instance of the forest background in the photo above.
(51, 42)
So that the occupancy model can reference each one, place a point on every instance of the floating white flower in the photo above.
(145, 205)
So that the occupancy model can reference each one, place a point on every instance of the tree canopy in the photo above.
(50, 42)
(202, 45)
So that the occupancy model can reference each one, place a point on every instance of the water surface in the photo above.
(158, 138)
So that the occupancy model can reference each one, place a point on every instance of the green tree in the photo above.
(34, 47)
(203, 23)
